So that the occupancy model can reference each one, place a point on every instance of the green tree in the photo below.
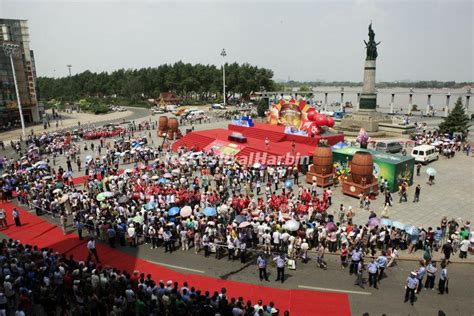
(262, 107)
(456, 121)
(304, 89)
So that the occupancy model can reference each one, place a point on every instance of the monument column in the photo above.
(428, 104)
(410, 102)
(325, 101)
(368, 99)
(446, 108)
(468, 96)
(358, 100)
(342, 99)
(392, 103)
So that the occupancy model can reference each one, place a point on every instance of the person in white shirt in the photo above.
(276, 241)
(464, 248)
(267, 239)
(92, 250)
(132, 236)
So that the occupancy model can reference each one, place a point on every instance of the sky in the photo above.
(304, 41)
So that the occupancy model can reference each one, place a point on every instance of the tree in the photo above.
(262, 107)
(304, 89)
(456, 121)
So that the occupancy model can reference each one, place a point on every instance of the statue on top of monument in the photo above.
(371, 46)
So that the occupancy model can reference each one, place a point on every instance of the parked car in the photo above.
(425, 153)
(389, 147)
(218, 106)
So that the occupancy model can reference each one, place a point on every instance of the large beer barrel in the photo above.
(322, 160)
(163, 123)
(362, 166)
(173, 124)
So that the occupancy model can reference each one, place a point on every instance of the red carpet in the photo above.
(36, 231)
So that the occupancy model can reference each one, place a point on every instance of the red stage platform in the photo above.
(254, 150)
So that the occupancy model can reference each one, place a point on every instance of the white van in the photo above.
(425, 153)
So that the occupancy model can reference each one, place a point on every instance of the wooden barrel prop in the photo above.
(362, 166)
(163, 123)
(173, 124)
(323, 160)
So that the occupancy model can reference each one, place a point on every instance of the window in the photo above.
(415, 152)
(422, 153)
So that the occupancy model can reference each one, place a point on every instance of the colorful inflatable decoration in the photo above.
(299, 117)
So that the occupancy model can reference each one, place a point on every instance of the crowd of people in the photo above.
(43, 282)
(200, 201)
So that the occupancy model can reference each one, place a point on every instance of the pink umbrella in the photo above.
(244, 224)
(185, 211)
(374, 221)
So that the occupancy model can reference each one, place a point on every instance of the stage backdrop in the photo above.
(393, 167)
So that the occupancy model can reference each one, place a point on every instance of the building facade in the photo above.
(16, 32)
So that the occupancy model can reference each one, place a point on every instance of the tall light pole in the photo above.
(223, 54)
(9, 50)
(69, 67)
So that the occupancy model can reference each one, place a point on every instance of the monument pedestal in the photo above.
(366, 119)
(321, 181)
(349, 187)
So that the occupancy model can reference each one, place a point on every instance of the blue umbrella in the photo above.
(173, 211)
(163, 180)
(239, 219)
(150, 205)
(210, 211)
(398, 225)
(339, 145)
(386, 222)
(411, 230)
(288, 184)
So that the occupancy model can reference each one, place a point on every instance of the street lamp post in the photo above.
(9, 50)
(223, 54)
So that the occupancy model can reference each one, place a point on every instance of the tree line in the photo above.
(201, 82)
(432, 84)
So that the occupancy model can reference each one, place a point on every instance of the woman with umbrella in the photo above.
(431, 172)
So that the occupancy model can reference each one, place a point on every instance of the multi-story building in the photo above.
(16, 32)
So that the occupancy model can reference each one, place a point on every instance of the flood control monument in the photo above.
(367, 116)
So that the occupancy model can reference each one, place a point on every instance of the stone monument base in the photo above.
(321, 181)
(354, 189)
(369, 120)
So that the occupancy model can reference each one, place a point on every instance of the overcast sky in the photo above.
(421, 40)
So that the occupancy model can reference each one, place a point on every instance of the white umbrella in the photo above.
(292, 225)
(64, 198)
(244, 224)
(431, 172)
(257, 165)
(108, 194)
(57, 191)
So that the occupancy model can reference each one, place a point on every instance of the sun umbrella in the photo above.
(163, 180)
(108, 194)
(138, 219)
(64, 198)
(56, 191)
(88, 158)
(240, 219)
(431, 171)
(123, 199)
(150, 205)
(5, 175)
(292, 225)
(47, 178)
(374, 221)
(288, 184)
(386, 222)
(411, 230)
(42, 162)
(168, 175)
(398, 225)
(175, 171)
(244, 224)
(100, 197)
(128, 171)
(257, 165)
(42, 167)
(185, 211)
(210, 211)
(173, 211)
(155, 177)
